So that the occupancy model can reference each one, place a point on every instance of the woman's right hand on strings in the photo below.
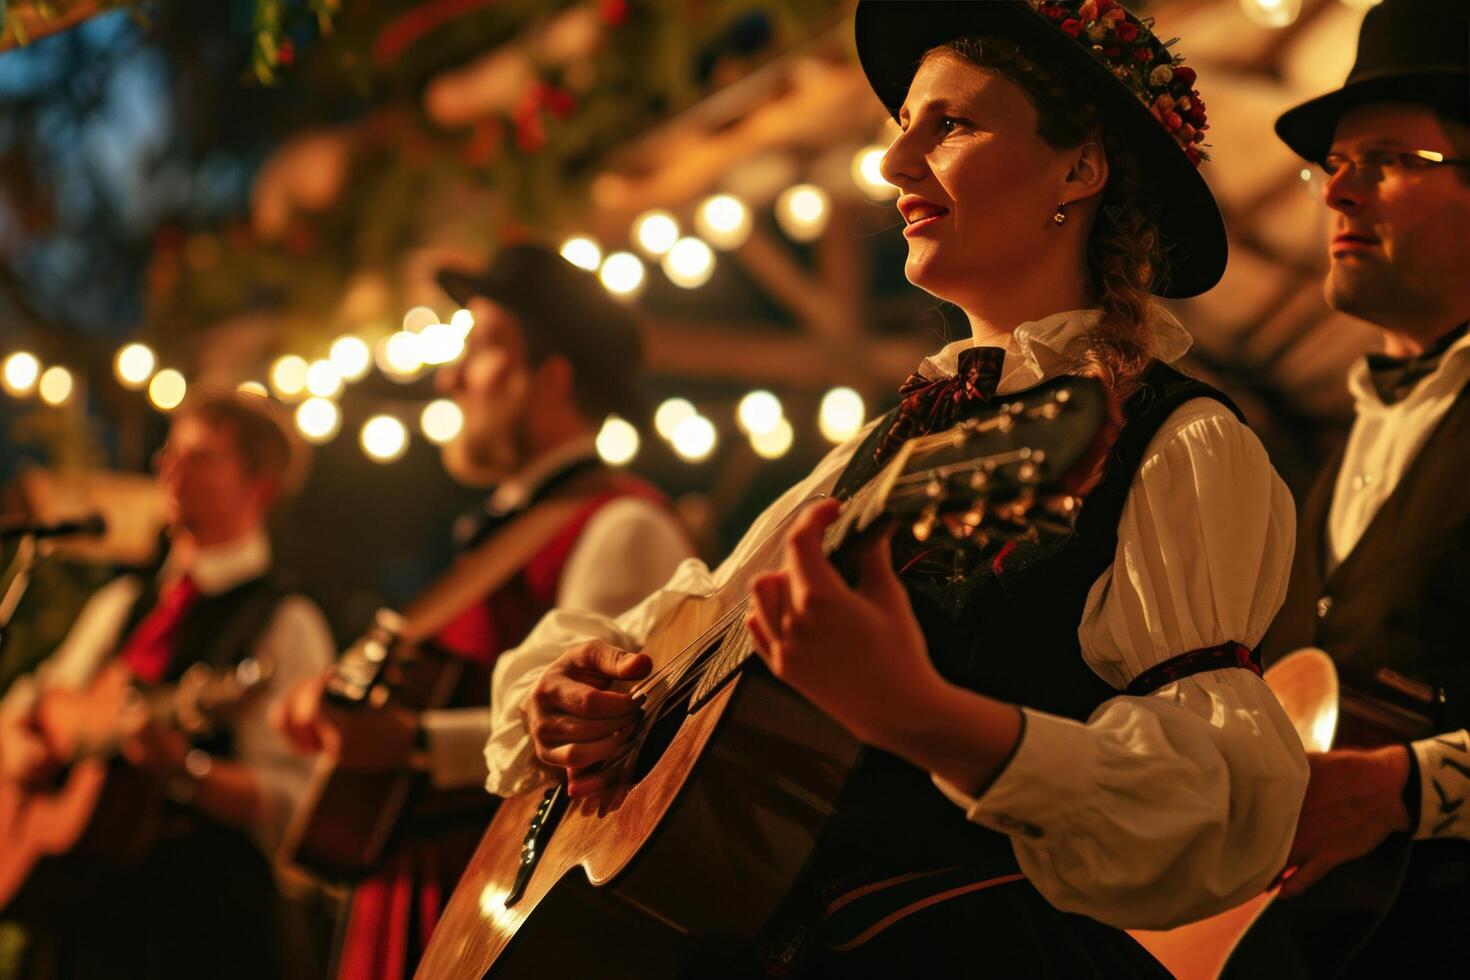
(577, 721)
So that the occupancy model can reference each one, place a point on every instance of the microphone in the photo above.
(91, 526)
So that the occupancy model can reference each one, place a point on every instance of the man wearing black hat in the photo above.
(1384, 552)
(549, 357)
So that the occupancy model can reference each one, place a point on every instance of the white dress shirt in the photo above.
(296, 641)
(1383, 444)
(1158, 809)
(635, 536)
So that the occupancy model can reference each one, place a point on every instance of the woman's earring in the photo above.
(1060, 217)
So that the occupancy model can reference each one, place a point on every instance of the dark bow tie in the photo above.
(1395, 377)
(935, 404)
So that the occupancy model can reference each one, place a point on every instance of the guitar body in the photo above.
(344, 820)
(732, 776)
(733, 799)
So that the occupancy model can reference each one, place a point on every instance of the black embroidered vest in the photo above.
(1389, 614)
(1006, 628)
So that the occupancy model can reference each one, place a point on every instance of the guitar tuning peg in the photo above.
(1062, 396)
(1027, 472)
(979, 480)
(934, 489)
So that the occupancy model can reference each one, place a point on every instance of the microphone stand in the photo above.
(28, 555)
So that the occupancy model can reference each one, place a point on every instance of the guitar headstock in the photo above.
(206, 694)
(360, 669)
(1013, 472)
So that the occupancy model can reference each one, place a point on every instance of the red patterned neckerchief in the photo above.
(935, 404)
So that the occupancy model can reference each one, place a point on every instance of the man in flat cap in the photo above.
(550, 356)
(1382, 568)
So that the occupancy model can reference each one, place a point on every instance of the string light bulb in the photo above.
(724, 221)
(440, 421)
(384, 438)
(669, 414)
(1272, 13)
(617, 441)
(689, 263)
(55, 386)
(655, 232)
(622, 274)
(867, 173)
(399, 356)
(167, 389)
(582, 252)
(288, 376)
(440, 343)
(802, 212)
(134, 365)
(19, 373)
(351, 356)
(318, 419)
(323, 379)
(758, 413)
(695, 438)
(841, 414)
(418, 318)
(774, 443)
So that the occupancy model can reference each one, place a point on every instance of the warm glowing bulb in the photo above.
(669, 414)
(323, 379)
(841, 414)
(55, 386)
(167, 389)
(318, 419)
(723, 221)
(384, 438)
(689, 263)
(695, 438)
(418, 318)
(582, 252)
(775, 443)
(802, 212)
(1272, 13)
(655, 232)
(288, 376)
(20, 373)
(440, 343)
(134, 365)
(867, 173)
(622, 273)
(758, 412)
(352, 357)
(1362, 4)
(441, 421)
(617, 441)
(401, 356)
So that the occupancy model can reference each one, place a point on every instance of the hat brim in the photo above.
(892, 38)
(1310, 127)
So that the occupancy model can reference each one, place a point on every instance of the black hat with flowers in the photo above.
(1414, 51)
(1146, 93)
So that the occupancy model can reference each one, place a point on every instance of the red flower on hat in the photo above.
(1126, 32)
(1072, 26)
(1185, 75)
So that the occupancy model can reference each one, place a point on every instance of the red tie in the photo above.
(150, 646)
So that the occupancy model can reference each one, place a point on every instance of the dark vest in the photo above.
(1007, 628)
(218, 630)
(1389, 614)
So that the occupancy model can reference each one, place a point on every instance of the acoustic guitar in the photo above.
(1306, 684)
(96, 806)
(346, 819)
(732, 775)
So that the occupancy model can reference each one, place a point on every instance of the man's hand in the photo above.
(157, 749)
(1354, 801)
(365, 740)
(577, 722)
(25, 757)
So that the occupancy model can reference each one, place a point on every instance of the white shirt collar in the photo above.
(520, 486)
(1039, 350)
(1366, 397)
(221, 567)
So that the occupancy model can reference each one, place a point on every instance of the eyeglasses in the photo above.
(1374, 165)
